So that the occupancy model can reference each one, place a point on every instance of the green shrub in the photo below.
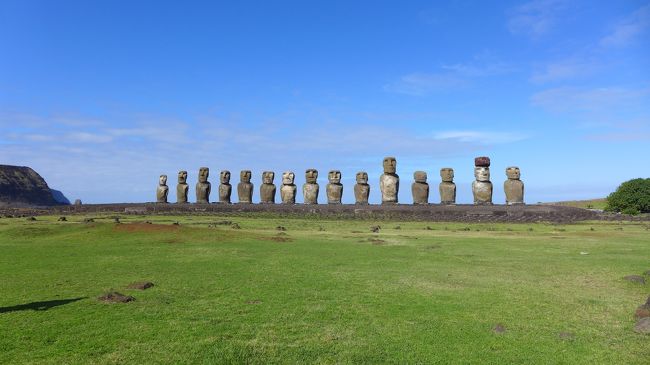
(631, 197)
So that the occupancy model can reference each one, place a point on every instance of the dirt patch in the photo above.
(432, 247)
(145, 227)
(254, 301)
(281, 237)
(376, 241)
(642, 312)
(635, 279)
(281, 228)
(115, 297)
(141, 285)
(499, 329)
(566, 336)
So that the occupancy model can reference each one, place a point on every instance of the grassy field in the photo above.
(585, 204)
(320, 292)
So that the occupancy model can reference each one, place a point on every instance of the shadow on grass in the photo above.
(39, 306)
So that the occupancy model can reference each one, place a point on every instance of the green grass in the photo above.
(585, 204)
(326, 292)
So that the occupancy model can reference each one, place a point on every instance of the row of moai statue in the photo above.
(388, 185)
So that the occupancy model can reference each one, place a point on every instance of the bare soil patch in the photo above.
(635, 279)
(141, 285)
(115, 297)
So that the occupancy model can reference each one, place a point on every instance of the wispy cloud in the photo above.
(535, 18)
(481, 137)
(566, 69)
(628, 29)
(571, 99)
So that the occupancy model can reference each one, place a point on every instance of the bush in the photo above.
(631, 197)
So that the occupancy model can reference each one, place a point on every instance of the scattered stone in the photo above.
(647, 272)
(89, 220)
(642, 312)
(254, 301)
(31, 218)
(398, 227)
(148, 222)
(235, 226)
(429, 228)
(375, 229)
(321, 228)
(142, 285)
(62, 219)
(116, 220)
(499, 328)
(642, 326)
(176, 223)
(635, 279)
(281, 228)
(566, 336)
(77, 202)
(115, 297)
(530, 229)
(592, 229)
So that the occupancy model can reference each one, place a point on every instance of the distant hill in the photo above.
(21, 185)
(585, 204)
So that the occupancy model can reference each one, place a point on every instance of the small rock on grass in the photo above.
(566, 335)
(499, 328)
(115, 297)
(62, 219)
(635, 279)
(235, 226)
(642, 326)
(142, 285)
(375, 229)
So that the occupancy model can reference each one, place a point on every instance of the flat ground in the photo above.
(320, 292)
(585, 204)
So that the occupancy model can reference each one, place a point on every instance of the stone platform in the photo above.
(433, 212)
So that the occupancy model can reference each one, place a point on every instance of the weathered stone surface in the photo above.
(334, 188)
(361, 188)
(447, 187)
(420, 188)
(513, 187)
(310, 188)
(182, 188)
(635, 279)
(267, 189)
(288, 189)
(203, 186)
(77, 202)
(162, 190)
(225, 189)
(245, 187)
(20, 185)
(642, 326)
(482, 187)
(389, 182)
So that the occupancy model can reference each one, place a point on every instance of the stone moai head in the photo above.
(224, 176)
(482, 168)
(311, 175)
(162, 180)
(204, 172)
(420, 176)
(513, 173)
(288, 178)
(334, 177)
(362, 177)
(245, 176)
(182, 177)
(267, 177)
(390, 165)
(447, 174)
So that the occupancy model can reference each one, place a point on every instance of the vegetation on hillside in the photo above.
(631, 197)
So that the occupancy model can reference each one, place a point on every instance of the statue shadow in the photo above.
(39, 306)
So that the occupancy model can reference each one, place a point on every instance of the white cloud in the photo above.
(563, 70)
(86, 137)
(569, 99)
(628, 29)
(535, 18)
(480, 137)
(425, 83)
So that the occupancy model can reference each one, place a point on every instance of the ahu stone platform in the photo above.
(433, 213)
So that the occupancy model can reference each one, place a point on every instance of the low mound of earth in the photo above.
(22, 186)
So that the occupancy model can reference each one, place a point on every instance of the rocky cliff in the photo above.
(20, 185)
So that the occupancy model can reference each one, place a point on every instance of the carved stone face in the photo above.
(245, 176)
(390, 165)
(204, 172)
(182, 177)
(362, 177)
(447, 174)
(311, 175)
(482, 173)
(267, 177)
(288, 178)
(334, 177)
(420, 176)
(513, 173)
(162, 180)
(224, 176)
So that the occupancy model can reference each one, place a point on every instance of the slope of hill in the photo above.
(21, 185)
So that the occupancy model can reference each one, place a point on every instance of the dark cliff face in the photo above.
(20, 185)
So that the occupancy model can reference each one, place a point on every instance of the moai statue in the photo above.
(334, 188)
(420, 188)
(225, 189)
(245, 187)
(514, 187)
(310, 188)
(447, 186)
(182, 188)
(288, 189)
(203, 187)
(482, 187)
(267, 189)
(389, 181)
(361, 188)
(163, 189)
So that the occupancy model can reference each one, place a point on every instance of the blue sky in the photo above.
(101, 97)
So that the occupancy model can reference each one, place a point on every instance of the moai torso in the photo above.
(514, 187)
(389, 182)
(225, 189)
(361, 188)
(310, 188)
(203, 187)
(245, 188)
(334, 188)
(182, 188)
(288, 189)
(447, 187)
(482, 187)
(420, 188)
(267, 189)
(163, 190)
